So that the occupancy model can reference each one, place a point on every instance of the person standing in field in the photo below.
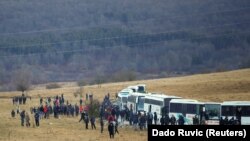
(116, 126)
(22, 115)
(102, 124)
(86, 121)
(155, 118)
(37, 118)
(27, 118)
(111, 130)
(13, 114)
(92, 121)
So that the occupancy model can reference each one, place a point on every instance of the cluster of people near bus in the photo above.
(108, 112)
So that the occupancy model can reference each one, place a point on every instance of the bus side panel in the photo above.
(245, 120)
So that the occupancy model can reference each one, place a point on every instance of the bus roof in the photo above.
(187, 101)
(235, 103)
(161, 96)
(214, 103)
(132, 87)
(125, 92)
(139, 94)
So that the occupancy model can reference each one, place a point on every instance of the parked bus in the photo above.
(123, 98)
(187, 108)
(238, 109)
(158, 103)
(136, 102)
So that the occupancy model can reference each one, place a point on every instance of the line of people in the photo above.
(26, 118)
(112, 123)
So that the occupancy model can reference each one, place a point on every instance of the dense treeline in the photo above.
(97, 41)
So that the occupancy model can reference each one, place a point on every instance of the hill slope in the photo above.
(69, 40)
(233, 85)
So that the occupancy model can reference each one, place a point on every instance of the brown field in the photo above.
(217, 87)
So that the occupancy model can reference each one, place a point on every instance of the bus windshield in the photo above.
(141, 89)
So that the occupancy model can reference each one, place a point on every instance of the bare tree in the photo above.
(22, 80)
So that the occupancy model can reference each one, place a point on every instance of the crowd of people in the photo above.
(110, 113)
(20, 100)
(59, 107)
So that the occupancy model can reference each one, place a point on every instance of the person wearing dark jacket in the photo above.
(86, 121)
(82, 116)
(155, 118)
(166, 119)
(22, 115)
(221, 121)
(111, 130)
(162, 120)
(13, 113)
(37, 118)
(116, 127)
(102, 124)
(172, 120)
(181, 120)
(142, 121)
(92, 121)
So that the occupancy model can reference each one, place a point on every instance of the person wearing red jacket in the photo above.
(45, 111)
(110, 118)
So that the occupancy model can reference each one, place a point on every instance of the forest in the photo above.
(98, 41)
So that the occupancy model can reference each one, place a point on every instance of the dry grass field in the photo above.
(233, 85)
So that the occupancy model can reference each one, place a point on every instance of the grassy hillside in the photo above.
(233, 85)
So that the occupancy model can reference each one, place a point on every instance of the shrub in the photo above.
(53, 86)
(94, 108)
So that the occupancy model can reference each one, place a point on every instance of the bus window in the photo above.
(176, 108)
(228, 111)
(245, 111)
(191, 109)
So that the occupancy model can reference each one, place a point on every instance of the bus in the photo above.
(236, 109)
(188, 108)
(136, 102)
(158, 103)
(212, 113)
(123, 98)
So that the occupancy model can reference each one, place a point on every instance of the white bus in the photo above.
(188, 108)
(236, 108)
(123, 98)
(158, 103)
(136, 102)
(212, 113)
